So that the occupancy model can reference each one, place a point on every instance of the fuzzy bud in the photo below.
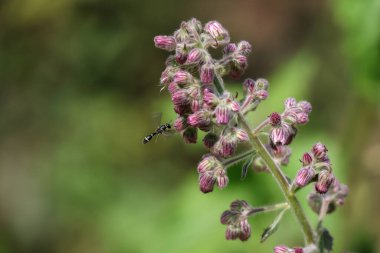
(305, 106)
(165, 42)
(275, 119)
(173, 87)
(249, 85)
(190, 135)
(319, 150)
(210, 98)
(182, 77)
(195, 56)
(207, 73)
(281, 249)
(180, 124)
(244, 47)
(230, 48)
(304, 176)
(206, 182)
(180, 97)
(199, 118)
(210, 139)
(262, 84)
(302, 118)
(290, 102)
(209, 163)
(307, 159)
(325, 179)
(218, 33)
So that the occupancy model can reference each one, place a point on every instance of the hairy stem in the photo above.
(239, 157)
(281, 181)
(271, 208)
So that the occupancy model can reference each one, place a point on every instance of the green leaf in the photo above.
(245, 168)
(325, 241)
(272, 228)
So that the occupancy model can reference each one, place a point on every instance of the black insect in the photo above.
(164, 129)
(160, 130)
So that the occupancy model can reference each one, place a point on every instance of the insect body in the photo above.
(160, 130)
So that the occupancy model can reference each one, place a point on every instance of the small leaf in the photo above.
(325, 241)
(245, 168)
(272, 228)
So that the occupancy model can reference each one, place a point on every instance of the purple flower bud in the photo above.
(282, 135)
(218, 33)
(173, 87)
(298, 250)
(240, 62)
(305, 106)
(209, 163)
(195, 56)
(199, 118)
(180, 97)
(226, 146)
(230, 48)
(207, 73)
(244, 47)
(281, 249)
(165, 42)
(190, 135)
(304, 176)
(240, 205)
(307, 159)
(210, 139)
(325, 179)
(223, 114)
(261, 94)
(245, 230)
(249, 84)
(275, 119)
(262, 84)
(182, 109)
(302, 118)
(180, 124)
(206, 182)
(210, 98)
(290, 102)
(232, 232)
(196, 105)
(319, 150)
(222, 180)
(241, 134)
(182, 77)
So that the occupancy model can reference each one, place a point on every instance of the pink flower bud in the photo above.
(307, 159)
(325, 179)
(209, 163)
(282, 135)
(190, 135)
(298, 250)
(305, 106)
(182, 109)
(262, 84)
(245, 230)
(222, 181)
(217, 32)
(244, 47)
(180, 124)
(180, 97)
(173, 87)
(290, 102)
(206, 182)
(182, 77)
(261, 94)
(232, 232)
(210, 98)
(275, 119)
(241, 134)
(199, 118)
(319, 150)
(249, 84)
(240, 62)
(195, 56)
(165, 42)
(302, 118)
(230, 48)
(304, 176)
(207, 73)
(281, 249)
(210, 139)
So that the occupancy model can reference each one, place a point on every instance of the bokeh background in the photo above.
(78, 86)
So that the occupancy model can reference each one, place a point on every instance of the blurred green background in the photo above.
(78, 86)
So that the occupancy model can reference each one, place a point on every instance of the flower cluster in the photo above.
(194, 79)
(190, 77)
(316, 166)
(236, 220)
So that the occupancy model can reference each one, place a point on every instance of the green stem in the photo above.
(281, 181)
(238, 158)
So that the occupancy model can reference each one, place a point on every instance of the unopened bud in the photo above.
(210, 139)
(325, 179)
(180, 124)
(217, 32)
(165, 42)
(195, 56)
(262, 84)
(230, 48)
(319, 150)
(199, 118)
(190, 135)
(307, 159)
(275, 119)
(207, 73)
(244, 47)
(304, 176)
(302, 118)
(249, 85)
(305, 106)
(281, 249)
(290, 102)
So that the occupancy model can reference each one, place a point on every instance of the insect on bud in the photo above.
(165, 42)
